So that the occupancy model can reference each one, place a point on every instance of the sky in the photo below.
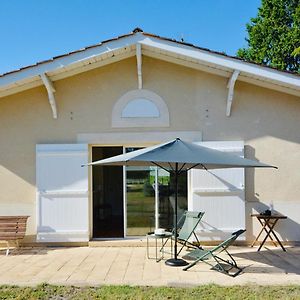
(36, 30)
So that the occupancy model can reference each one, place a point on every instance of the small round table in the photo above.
(164, 238)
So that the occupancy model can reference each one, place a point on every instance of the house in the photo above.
(134, 91)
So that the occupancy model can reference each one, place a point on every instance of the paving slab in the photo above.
(94, 266)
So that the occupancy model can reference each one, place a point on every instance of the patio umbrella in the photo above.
(178, 156)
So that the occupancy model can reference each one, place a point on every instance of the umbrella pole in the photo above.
(176, 210)
(176, 262)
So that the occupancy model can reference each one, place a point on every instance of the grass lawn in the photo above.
(46, 291)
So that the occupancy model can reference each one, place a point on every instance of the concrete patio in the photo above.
(129, 265)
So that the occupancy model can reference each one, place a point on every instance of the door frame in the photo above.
(90, 177)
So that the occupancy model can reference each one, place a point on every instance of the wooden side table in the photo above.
(268, 224)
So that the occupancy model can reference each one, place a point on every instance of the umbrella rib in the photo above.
(203, 167)
(194, 167)
(181, 168)
(171, 167)
(160, 166)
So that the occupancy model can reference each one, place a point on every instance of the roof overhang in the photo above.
(221, 65)
(172, 51)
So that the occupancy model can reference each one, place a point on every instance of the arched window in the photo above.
(140, 108)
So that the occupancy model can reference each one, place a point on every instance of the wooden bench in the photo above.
(12, 228)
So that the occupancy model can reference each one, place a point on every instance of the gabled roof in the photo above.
(125, 46)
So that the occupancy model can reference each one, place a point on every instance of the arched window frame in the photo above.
(123, 101)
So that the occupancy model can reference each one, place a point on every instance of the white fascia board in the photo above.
(203, 57)
(231, 64)
(70, 59)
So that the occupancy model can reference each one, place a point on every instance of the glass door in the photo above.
(166, 198)
(107, 197)
(150, 198)
(140, 194)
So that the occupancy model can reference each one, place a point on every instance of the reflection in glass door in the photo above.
(166, 197)
(140, 200)
(140, 186)
(148, 188)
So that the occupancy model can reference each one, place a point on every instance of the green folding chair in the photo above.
(190, 219)
(186, 228)
(223, 265)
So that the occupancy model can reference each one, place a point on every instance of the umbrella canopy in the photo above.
(186, 155)
(178, 156)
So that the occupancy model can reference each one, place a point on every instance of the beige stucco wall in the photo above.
(266, 120)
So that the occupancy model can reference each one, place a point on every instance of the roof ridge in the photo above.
(137, 29)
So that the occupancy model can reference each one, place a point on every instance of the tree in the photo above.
(274, 35)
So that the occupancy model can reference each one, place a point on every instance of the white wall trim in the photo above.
(162, 121)
(63, 236)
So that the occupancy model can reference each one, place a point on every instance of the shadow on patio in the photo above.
(271, 260)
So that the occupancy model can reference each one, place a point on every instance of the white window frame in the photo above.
(120, 122)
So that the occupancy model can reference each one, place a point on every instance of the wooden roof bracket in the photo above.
(139, 65)
(50, 90)
(230, 87)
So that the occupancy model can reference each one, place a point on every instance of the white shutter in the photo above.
(220, 194)
(62, 193)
